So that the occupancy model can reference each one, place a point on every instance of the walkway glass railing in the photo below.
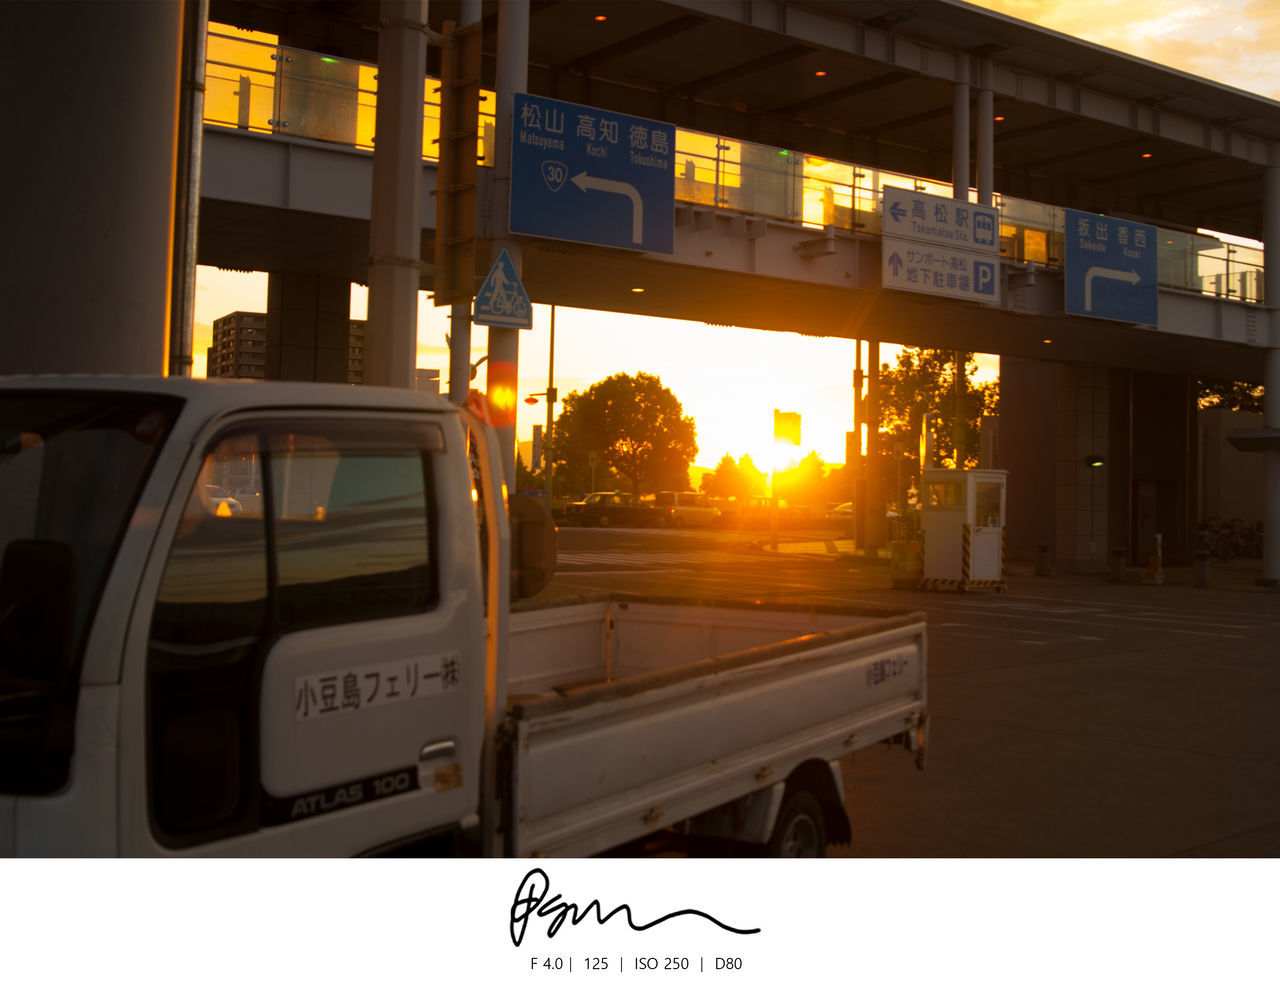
(253, 83)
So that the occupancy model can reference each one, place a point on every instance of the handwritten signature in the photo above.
(531, 900)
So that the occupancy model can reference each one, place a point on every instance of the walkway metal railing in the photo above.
(253, 83)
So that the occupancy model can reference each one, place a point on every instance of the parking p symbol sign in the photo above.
(984, 277)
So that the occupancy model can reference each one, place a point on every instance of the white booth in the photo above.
(962, 519)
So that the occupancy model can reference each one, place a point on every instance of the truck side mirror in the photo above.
(37, 664)
(533, 546)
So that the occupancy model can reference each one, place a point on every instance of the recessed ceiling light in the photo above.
(1147, 155)
(637, 290)
(602, 17)
(820, 73)
(1047, 341)
(999, 119)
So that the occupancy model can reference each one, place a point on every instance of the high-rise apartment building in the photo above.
(239, 347)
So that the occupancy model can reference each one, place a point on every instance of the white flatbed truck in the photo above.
(331, 665)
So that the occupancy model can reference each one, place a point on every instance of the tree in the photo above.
(723, 482)
(525, 479)
(734, 480)
(925, 382)
(802, 484)
(634, 426)
(1231, 395)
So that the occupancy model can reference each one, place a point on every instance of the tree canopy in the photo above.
(925, 382)
(1231, 395)
(734, 480)
(634, 426)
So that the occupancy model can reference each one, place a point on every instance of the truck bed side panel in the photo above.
(608, 762)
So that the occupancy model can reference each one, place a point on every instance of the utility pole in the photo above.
(551, 408)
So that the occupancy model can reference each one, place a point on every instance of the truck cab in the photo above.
(197, 677)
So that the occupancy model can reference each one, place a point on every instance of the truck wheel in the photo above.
(801, 830)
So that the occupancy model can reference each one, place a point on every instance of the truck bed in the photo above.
(631, 713)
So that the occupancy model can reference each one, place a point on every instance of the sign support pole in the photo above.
(501, 379)
(460, 311)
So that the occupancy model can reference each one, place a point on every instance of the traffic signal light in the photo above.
(786, 427)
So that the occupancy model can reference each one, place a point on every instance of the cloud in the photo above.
(1228, 41)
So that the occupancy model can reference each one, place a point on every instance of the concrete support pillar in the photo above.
(308, 327)
(960, 141)
(986, 137)
(460, 311)
(1271, 379)
(395, 230)
(1083, 432)
(502, 372)
(89, 215)
(1271, 459)
(182, 301)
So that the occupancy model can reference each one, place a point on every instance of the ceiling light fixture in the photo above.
(601, 18)
(1147, 154)
(820, 73)
(999, 119)
(637, 290)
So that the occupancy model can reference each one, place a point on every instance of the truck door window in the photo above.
(209, 620)
(352, 536)
(72, 465)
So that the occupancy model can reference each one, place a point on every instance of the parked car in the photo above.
(687, 509)
(615, 509)
(218, 496)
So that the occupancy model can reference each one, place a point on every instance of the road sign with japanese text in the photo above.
(945, 221)
(589, 175)
(928, 269)
(1111, 268)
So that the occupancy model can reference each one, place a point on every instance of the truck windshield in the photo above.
(71, 468)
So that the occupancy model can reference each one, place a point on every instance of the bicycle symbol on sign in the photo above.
(504, 299)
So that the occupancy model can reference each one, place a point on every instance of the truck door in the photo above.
(306, 682)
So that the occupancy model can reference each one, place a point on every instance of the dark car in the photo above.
(615, 509)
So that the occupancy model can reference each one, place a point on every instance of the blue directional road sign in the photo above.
(591, 176)
(1111, 268)
(502, 300)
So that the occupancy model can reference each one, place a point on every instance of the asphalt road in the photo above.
(1069, 717)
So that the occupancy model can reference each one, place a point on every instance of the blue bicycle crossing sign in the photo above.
(502, 300)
